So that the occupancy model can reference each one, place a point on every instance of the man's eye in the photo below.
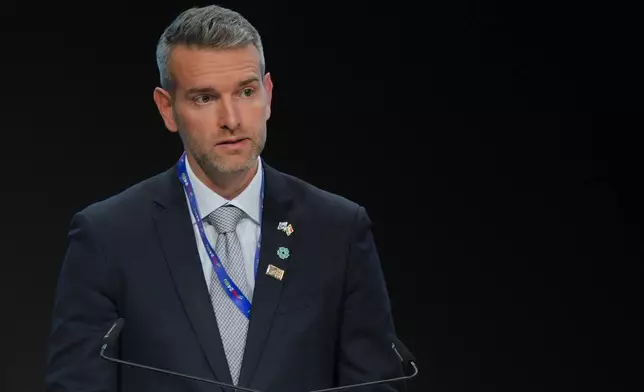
(247, 92)
(202, 99)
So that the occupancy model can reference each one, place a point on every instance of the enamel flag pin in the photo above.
(275, 272)
(286, 228)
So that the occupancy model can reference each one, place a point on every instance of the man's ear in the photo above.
(268, 86)
(163, 100)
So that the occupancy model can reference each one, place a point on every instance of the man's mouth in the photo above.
(231, 142)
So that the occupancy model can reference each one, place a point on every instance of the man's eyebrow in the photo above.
(213, 91)
(202, 90)
(248, 81)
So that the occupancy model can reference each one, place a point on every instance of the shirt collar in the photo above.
(208, 200)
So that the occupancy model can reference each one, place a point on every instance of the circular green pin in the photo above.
(283, 252)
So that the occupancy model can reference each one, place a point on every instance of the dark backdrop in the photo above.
(495, 145)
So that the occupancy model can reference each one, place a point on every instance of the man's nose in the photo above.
(228, 114)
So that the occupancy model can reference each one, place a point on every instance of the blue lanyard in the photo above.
(227, 283)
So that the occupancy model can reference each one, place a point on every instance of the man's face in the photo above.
(220, 106)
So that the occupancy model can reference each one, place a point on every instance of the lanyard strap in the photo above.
(226, 281)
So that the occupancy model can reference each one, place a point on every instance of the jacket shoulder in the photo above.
(321, 203)
(134, 200)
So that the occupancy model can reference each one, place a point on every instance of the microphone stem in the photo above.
(223, 385)
(234, 388)
(366, 384)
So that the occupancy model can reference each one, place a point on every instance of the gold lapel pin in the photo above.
(275, 272)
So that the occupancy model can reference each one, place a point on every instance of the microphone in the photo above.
(112, 335)
(404, 354)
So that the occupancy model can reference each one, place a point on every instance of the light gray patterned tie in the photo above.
(233, 325)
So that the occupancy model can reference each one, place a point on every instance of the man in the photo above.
(222, 267)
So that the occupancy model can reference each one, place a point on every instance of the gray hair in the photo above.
(207, 27)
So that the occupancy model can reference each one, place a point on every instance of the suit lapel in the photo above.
(177, 240)
(277, 204)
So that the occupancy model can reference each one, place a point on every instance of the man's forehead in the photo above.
(222, 66)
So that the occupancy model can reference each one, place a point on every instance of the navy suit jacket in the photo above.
(326, 323)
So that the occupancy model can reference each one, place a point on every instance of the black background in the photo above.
(496, 146)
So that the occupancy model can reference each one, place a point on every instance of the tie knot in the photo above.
(225, 218)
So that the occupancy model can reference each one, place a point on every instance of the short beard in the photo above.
(213, 167)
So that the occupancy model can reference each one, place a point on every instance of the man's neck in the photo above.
(226, 185)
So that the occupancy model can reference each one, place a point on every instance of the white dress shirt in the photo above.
(247, 229)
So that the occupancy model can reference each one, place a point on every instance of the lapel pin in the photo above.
(283, 253)
(282, 225)
(275, 272)
(289, 230)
